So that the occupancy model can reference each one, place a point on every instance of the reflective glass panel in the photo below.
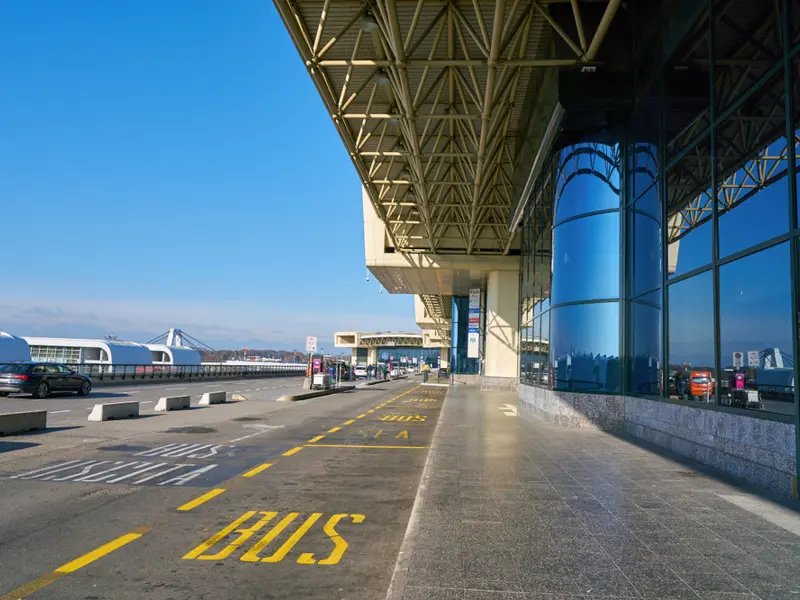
(756, 332)
(753, 192)
(690, 251)
(691, 337)
(543, 347)
(588, 180)
(645, 255)
(585, 347)
(586, 259)
(645, 346)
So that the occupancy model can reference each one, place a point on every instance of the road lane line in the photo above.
(146, 402)
(264, 429)
(316, 439)
(371, 410)
(294, 450)
(55, 412)
(175, 388)
(257, 470)
(72, 566)
(350, 422)
(201, 499)
(357, 446)
(334, 429)
(361, 416)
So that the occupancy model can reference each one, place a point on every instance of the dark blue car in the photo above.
(39, 379)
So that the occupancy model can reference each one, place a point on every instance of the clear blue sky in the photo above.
(172, 163)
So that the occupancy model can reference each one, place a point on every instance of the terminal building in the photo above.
(598, 201)
(80, 351)
(396, 347)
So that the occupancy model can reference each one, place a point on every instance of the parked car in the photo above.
(395, 372)
(39, 379)
(361, 372)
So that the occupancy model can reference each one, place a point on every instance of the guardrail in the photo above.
(108, 373)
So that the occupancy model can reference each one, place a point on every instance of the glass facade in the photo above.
(57, 354)
(661, 260)
(459, 362)
(408, 355)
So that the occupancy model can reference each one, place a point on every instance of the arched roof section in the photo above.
(178, 355)
(13, 348)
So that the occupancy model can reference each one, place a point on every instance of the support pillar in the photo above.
(372, 356)
(444, 358)
(501, 348)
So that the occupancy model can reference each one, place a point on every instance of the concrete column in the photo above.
(501, 349)
(372, 356)
(444, 358)
(354, 357)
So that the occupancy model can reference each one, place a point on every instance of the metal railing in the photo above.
(184, 372)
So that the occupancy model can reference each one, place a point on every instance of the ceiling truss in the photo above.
(428, 96)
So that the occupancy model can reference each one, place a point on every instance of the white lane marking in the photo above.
(147, 402)
(127, 392)
(261, 428)
(175, 388)
(55, 412)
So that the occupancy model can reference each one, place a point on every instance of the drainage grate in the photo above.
(191, 430)
(125, 448)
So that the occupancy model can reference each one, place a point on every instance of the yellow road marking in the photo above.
(200, 499)
(371, 410)
(350, 422)
(72, 566)
(294, 450)
(357, 446)
(316, 439)
(257, 470)
(334, 429)
(361, 416)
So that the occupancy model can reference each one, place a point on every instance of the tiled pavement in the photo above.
(519, 510)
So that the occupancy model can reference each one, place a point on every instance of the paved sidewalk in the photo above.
(511, 509)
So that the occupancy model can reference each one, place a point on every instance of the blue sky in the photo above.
(171, 163)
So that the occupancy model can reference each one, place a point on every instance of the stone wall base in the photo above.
(572, 409)
(499, 384)
(758, 450)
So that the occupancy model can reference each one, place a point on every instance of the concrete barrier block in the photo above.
(20, 422)
(238, 397)
(212, 398)
(173, 403)
(114, 410)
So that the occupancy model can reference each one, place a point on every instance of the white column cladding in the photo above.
(372, 356)
(502, 324)
(444, 358)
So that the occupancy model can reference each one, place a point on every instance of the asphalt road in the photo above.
(255, 499)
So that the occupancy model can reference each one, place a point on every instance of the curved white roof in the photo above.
(119, 353)
(178, 355)
(13, 348)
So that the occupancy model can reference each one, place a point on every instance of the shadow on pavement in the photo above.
(11, 446)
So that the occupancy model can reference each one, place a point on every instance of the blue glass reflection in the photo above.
(691, 251)
(757, 219)
(691, 323)
(586, 259)
(584, 350)
(645, 348)
(585, 193)
(646, 254)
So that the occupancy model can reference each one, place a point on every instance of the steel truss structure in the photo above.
(430, 98)
(375, 340)
(750, 142)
